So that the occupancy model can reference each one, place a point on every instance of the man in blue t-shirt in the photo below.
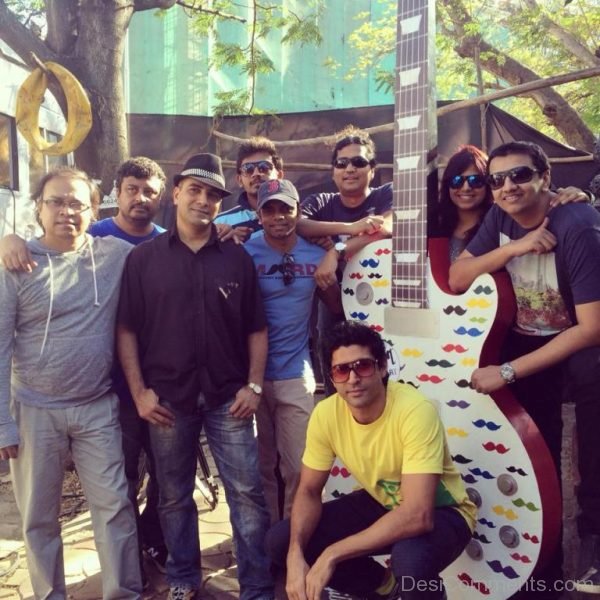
(553, 352)
(285, 264)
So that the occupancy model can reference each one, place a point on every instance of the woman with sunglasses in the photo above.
(465, 197)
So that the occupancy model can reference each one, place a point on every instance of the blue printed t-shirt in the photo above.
(109, 227)
(328, 206)
(548, 286)
(287, 307)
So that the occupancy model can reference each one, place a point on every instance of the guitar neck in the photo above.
(414, 142)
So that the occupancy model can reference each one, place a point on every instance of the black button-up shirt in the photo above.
(192, 313)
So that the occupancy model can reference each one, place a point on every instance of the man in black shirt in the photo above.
(192, 340)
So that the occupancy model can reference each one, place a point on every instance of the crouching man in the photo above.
(412, 503)
(56, 348)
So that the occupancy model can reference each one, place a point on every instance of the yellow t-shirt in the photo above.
(407, 438)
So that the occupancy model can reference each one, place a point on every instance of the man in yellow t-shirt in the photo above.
(412, 503)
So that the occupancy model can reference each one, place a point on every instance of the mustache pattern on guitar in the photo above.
(461, 460)
(481, 538)
(521, 558)
(381, 251)
(480, 423)
(430, 378)
(468, 581)
(458, 404)
(484, 521)
(454, 348)
(483, 289)
(517, 470)
(479, 473)
(500, 448)
(445, 364)
(459, 310)
(497, 567)
(359, 315)
(374, 275)
(472, 332)
(520, 503)
(369, 262)
(349, 291)
(463, 383)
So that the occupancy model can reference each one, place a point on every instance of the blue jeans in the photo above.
(415, 561)
(234, 449)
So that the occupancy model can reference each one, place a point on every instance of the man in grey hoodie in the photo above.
(56, 348)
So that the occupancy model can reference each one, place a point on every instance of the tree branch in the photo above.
(21, 39)
(579, 51)
(209, 11)
(142, 5)
(558, 111)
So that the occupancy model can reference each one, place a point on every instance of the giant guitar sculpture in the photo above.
(435, 340)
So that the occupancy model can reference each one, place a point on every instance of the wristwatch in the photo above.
(340, 248)
(255, 388)
(508, 373)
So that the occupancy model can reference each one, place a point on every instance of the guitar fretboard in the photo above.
(414, 138)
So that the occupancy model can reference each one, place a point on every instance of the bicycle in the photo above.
(205, 481)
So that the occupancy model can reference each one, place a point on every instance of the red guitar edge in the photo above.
(543, 465)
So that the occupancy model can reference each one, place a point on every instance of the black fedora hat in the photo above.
(205, 168)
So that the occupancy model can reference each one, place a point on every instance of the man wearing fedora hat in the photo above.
(285, 265)
(192, 340)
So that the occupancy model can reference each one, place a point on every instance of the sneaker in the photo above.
(589, 582)
(158, 555)
(182, 592)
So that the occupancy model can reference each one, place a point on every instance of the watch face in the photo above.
(507, 373)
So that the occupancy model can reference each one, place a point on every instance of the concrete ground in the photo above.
(82, 569)
(218, 562)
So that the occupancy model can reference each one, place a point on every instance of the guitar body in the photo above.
(499, 452)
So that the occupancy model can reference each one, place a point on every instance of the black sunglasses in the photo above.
(287, 269)
(475, 181)
(363, 367)
(517, 175)
(359, 162)
(263, 166)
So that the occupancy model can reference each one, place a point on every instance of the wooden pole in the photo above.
(517, 90)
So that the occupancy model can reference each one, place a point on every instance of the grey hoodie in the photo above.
(57, 328)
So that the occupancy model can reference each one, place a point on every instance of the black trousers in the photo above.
(416, 562)
(577, 380)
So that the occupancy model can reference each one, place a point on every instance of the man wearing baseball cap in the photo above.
(192, 340)
(285, 264)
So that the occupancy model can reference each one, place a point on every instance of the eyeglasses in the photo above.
(474, 181)
(263, 166)
(60, 204)
(517, 175)
(363, 367)
(288, 269)
(359, 162)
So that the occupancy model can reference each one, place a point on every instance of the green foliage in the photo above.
(237, 45)
(514, 28)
